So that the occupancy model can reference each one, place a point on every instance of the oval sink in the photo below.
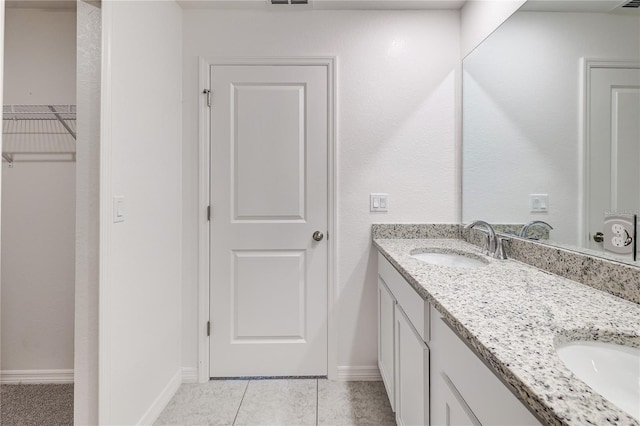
(611, 370)
(452, 260)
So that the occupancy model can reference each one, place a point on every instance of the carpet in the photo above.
(27, 405)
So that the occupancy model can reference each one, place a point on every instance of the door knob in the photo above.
(598, 237)
(318, 236)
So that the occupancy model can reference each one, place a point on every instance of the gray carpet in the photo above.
(27, 405)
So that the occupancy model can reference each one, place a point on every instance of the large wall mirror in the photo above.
(551, 121)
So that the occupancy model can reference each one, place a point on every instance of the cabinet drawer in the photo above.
(415, 307)
(489, 399)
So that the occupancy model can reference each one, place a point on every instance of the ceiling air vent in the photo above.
(633, 3)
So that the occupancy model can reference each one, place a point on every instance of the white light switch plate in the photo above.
(118, 209)
(379, 202)
(539, 203)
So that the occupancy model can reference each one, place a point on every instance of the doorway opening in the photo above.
(38, 213)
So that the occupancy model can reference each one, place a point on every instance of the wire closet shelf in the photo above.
(38, 133)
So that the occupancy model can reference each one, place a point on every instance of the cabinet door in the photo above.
(412, 374)
(448, 407)
(458, 374)
(386, 321)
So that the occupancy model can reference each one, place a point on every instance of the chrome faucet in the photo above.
(525, 228)
(490, 243)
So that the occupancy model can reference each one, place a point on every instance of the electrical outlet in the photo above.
(619, 233)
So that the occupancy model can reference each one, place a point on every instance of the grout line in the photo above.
(241, 401)
(317, 399)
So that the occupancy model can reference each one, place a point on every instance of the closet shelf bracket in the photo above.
(8, 158)
(61, 120)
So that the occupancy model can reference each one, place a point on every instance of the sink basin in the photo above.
(611, 370)
(453, 260)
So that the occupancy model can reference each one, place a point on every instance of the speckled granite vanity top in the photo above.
(510, 313)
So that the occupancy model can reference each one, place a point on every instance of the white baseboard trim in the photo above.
(189, 375)
(348, 373)
(162, 400)
(14, 377)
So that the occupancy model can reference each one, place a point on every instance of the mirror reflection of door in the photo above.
(613, 181)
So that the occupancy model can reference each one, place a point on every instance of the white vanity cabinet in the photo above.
(431, 376)
(464, 391)
(403, 353)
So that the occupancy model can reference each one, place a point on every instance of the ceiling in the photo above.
(593, 6)
(265, 4)
(326, 4)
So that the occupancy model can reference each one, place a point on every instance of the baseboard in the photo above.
(162, 400)
(14, 377)
(189, 375)
(348, 373)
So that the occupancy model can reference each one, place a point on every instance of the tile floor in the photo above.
(279, 402)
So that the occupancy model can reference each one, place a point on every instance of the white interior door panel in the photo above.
(269, 195)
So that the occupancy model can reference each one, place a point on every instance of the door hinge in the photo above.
(208, 328)
(208, 93)
(209, 213)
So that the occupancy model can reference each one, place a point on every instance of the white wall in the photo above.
(1, 94)
(38, 245)
(479, 18)
(140, 267)
(522, 114)
(87, 214)
(396, 105)
(38, 205)
(40, 56)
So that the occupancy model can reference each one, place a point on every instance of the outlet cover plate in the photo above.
(619, 233)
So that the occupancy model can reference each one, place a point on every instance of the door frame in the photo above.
(587, 65)
(205, 63)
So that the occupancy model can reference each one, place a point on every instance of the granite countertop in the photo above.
(511, 314)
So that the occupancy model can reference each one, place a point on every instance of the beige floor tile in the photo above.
(212, 403)
(279, 402)
(353, 403)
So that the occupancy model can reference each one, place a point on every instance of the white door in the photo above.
(269, 196)
(614, 145)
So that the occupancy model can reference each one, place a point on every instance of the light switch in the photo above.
(379, 202)
(118, 209)
(539, 203)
